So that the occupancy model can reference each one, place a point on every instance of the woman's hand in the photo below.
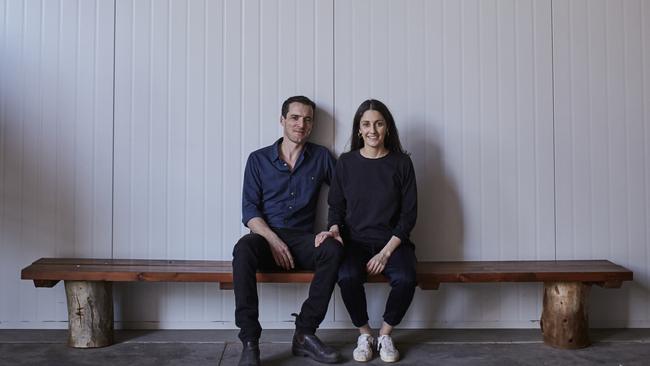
(377, 263)
(320, 237)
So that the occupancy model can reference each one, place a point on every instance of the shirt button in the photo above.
(285, 164)
(291, 207)
(293, 193)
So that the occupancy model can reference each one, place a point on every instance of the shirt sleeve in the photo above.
(409, 206)
(336, 199)
(252, 191)
(331, 166)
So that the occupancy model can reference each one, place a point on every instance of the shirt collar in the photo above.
(275, 153)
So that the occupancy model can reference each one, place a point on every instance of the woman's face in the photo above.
(372, 128)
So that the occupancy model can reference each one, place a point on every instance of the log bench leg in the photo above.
(564, 322)
(90, 313)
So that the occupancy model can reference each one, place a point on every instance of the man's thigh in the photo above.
(301, 245)
(260, 248)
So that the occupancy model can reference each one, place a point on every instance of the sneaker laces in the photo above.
(386, 342)
(364, 341)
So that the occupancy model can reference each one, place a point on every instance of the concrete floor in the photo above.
(418, 347)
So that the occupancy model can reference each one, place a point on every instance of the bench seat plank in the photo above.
(566, 286)
(119, 270)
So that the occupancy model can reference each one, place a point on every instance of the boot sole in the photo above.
(304, 353)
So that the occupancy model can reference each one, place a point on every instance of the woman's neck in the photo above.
(374, 152)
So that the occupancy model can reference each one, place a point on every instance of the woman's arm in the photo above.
(377, 263)
(409, 200)
(336, 198)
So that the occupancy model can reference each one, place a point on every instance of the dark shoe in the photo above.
(250, 355)
(308, 345)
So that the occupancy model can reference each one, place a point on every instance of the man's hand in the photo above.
(320, 237)
(281, 254)
(377, 263)
(279, 249)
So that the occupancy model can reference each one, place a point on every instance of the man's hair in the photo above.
(297, 99)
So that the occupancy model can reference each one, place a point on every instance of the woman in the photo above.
(373, 208)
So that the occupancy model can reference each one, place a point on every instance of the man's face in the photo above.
(298, 122)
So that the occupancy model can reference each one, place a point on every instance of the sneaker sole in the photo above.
(360, 360)
(389, 360)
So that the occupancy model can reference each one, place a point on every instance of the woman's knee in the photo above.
(405, 279)
(350, 278)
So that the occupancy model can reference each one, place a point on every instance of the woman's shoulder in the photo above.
(402, 157)
(346, 156)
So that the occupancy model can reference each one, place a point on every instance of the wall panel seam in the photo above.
(553, 132)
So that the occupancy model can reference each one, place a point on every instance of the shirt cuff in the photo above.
(247, 216)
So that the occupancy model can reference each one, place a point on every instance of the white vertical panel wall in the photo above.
(602, 129)
(125, 126)
(56, 117)
(469, 84)
(199, 86)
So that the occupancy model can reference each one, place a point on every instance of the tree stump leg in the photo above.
(564, 322)
(90, 313)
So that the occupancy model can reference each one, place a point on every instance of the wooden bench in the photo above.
(88, 286)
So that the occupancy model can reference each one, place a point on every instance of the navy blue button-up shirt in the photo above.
(284, 198)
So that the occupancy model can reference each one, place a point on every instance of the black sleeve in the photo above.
(409, 206)
(336, 199)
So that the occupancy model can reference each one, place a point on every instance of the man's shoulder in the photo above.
(314, 147)
(265, 151)
(318, 150)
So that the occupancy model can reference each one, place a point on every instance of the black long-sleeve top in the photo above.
(373, 199)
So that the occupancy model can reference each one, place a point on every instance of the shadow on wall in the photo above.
(439, 231)
(322, 134)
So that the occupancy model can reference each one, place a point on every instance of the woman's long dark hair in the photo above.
(391, 141)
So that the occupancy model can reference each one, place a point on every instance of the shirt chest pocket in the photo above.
(308, 184)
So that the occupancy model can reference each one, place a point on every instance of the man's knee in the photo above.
(331, 248)
(247, 246)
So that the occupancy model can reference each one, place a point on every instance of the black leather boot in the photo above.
(308, 345)
(250, 355)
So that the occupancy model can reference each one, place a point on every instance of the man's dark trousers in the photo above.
(252, 252)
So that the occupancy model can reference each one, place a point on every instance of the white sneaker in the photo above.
(363, 352)
(387, 350)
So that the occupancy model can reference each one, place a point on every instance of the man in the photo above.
(281, 185)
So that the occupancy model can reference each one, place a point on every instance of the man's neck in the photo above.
(290, 151)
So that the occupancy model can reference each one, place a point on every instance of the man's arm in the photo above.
(279, 249)
(252, 215)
